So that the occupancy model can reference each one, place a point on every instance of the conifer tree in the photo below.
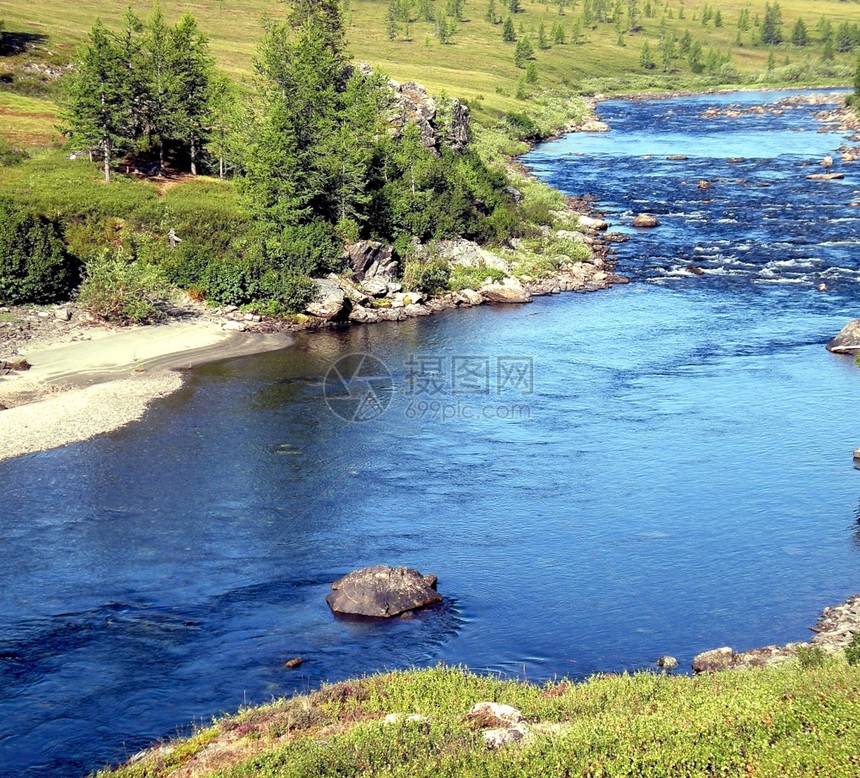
(490, 15)
(543, 41)
(799, 34)
(509, 35)
(391, 26)
(98, 111)
(160, 107)
(646, 59)
(523, 52)
(192, 67)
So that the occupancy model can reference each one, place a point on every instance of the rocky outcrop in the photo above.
(502, 724)
(330, 302)
(469, 254)
(645, 220)
(594, 125)
(509, 291)
(370, 259)
(382, 592)
(848, 339)
(441, 123)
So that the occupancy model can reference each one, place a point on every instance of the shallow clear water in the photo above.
(678, 479)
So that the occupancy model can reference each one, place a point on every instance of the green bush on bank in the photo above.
(117, 288)
(35, 265)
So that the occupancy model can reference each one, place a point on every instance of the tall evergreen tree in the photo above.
(160, 107)
(771, 28)
(192, 67)
(646, 59)
(225, 122)
(490, 15)
(509, 35)
(799, 35)
(523, 52)
(391, 25)
(98, 111)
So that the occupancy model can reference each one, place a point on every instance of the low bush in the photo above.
(852, 650)
(429, 276)
(35, 266)
(121, 290)
(472, 277)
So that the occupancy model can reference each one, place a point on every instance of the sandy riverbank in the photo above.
(75, 391)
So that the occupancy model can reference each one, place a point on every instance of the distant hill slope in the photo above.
(477, 62)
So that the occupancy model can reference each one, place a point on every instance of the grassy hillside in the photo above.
(476, 65)
(787, 720)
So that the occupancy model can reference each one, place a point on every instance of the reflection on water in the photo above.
(682, 480)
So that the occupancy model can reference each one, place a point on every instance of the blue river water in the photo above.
(596, 479)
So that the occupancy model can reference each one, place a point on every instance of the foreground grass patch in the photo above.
(781, 721)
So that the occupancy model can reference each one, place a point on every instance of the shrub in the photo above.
(9, 155)
(811, 657)
(124, 291)
(428, 276)
(35, 266)
(472, 277)
(852, 650)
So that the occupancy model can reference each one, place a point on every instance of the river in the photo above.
(596, 479)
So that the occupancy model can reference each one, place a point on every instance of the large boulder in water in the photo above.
(382, 592)
(848, 339)
(646, 220)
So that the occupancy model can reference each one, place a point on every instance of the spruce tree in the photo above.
(543, 41)
(771, 32)
(391, 26)
(646, 59)
(799, 35)
(98, 110)
(523, 52)
(509, 35)
(192, 67)
(490, 15)
(160, 107)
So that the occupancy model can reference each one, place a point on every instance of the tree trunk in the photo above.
(106, 153)
(160, 156)
(193, 155)
(221, 168)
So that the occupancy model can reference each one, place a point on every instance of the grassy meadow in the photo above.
(477, 65)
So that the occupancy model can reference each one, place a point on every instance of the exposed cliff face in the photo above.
(443, 122)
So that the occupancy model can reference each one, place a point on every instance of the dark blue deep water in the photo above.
(676, 477)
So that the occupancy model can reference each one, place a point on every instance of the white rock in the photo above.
(234, 326)
(499, 738)
(496, 713)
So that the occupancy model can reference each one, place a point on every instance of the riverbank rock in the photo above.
(848, 339)
(382, 592)
(834, 630)
(594, 125)
(645, 220)
(592, 224)
(509, 291)
(713, 661)
(466, 253)
(369, 259)
(330, 302)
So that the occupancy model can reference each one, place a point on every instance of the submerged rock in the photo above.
(667, 662)
(382, 592)
(825, 176)
(594, 125)
(848, 339)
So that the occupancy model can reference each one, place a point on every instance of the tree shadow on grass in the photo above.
(12, 43)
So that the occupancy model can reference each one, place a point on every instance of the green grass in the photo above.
(477, 65)
(781, 721)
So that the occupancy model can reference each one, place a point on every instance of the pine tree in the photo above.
(576, 32)
(514, 6)
(771, 60)
(646, 60)
(523, 52)
(825, 29)
(391, 25)
(543, 41)
(531, 73)
(771, 32)
(192, 67)
(799, 34)
(508, 33)
(694, 57)
(225, 122)
(490, 15)
(558, 36)
(425, 10)
(98, 110)
(827, 51)
(844, 38)
(160, 107)
(718, 19)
